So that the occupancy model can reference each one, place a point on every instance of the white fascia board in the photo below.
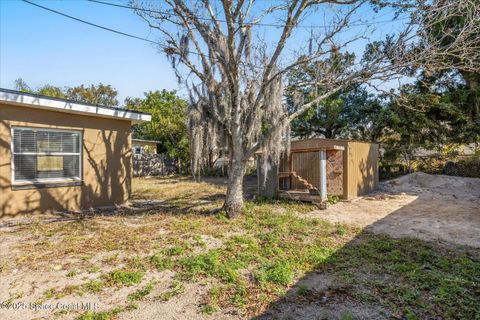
(72, 107)
(146, 140)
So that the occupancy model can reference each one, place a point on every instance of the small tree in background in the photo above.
(169, 122)
(326, 118)
(100, 94)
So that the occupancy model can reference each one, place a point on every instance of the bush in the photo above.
(333, 199)
(469, 167)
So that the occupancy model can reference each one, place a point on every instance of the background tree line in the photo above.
(438, 112)
(421, 117)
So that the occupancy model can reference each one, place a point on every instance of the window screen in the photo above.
(40, 154)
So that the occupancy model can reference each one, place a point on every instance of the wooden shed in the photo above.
(316, 168)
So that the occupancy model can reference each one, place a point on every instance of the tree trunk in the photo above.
(234, 199)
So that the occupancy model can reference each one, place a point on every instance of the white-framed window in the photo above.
(46, 155)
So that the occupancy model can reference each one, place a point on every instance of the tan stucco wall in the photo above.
(106, 161)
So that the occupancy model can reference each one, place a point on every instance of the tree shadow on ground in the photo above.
(376, 276)
(177, 179)
(187, 203)
(177, 205)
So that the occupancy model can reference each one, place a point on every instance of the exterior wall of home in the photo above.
(106, 162)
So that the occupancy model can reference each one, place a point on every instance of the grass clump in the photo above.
(136, 263)
(175, 289)
(49, 293)
(207, 264)
(94, 269)
(71, 274)
(141, 293)
(161, 262)
(93, 286)
(340, 229)
(105, 315)
(125, 277)
(211, 305)
(347, 316)
(303, 290)
(176, 250)
(90, 315)
(333, 199)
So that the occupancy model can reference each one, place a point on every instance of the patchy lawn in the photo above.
(181, 261)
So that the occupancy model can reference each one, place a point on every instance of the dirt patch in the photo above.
(429, 207)
(184, 306)
(317, 296)
(335, 310)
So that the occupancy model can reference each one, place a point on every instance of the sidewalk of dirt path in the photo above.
(429, 207)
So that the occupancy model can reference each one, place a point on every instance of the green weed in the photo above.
(160, 262)
(277, 272)
(125, 278)
(175, 289)
(141, 293)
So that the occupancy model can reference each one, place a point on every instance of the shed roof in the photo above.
(69, 106)
(146, 140)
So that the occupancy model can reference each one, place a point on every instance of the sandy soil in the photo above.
(26, 288)
(430, 207)
(418, 205)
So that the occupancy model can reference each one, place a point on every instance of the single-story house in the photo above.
(142, 146)
(57, 154)
(316, 168)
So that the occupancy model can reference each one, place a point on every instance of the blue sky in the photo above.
(41, 47)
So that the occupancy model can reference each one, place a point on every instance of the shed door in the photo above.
(307, 166)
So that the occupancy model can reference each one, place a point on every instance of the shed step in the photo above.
(310, 187)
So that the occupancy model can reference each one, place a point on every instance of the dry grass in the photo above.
(247, 264)
(181, 192)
